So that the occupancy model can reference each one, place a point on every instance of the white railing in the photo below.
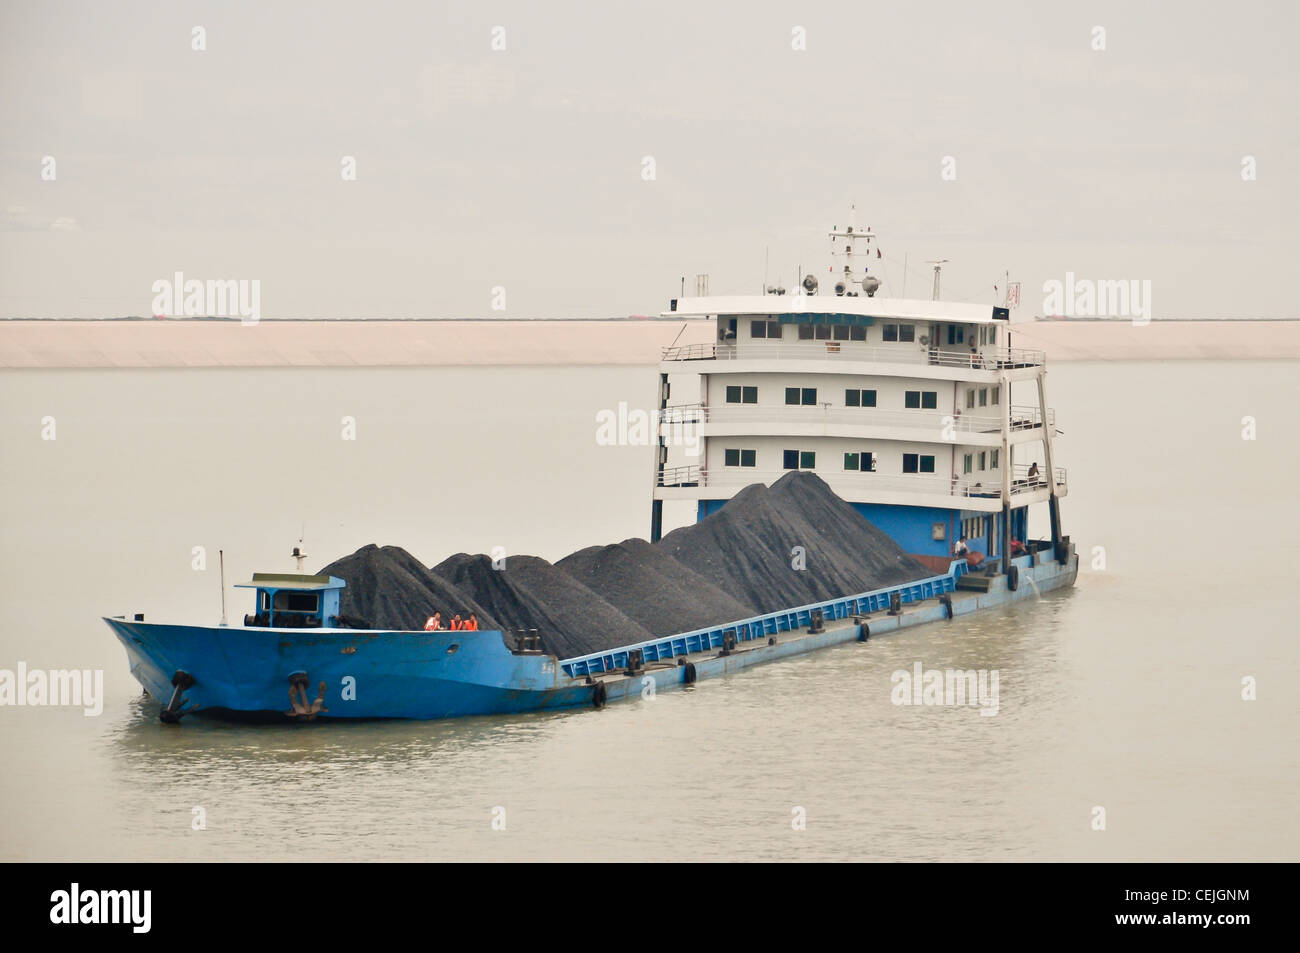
(851, 482)
(986, 359)
(1027, 477)
(1022, 418)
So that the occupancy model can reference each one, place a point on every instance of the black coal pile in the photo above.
(388, 588)
(768, 549)
(651, 587)
(530, 593)
(788, 545)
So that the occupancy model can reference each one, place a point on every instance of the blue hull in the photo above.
(367, 673)
(425, 675)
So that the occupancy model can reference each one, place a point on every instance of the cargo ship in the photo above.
(903, 407)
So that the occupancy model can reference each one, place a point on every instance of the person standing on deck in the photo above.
(434, 622)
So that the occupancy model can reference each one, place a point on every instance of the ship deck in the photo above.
(621, 676)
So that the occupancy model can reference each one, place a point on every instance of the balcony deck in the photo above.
(987, 359)
(958, 427)
(921, 489)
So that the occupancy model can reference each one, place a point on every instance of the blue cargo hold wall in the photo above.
(707, 508)
(912, 527)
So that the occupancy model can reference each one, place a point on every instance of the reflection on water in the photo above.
(1122, 693)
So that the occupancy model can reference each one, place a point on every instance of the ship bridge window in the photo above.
(918, 463)
(736, 394)
(859, 398)
(822, 332)
(740, 458)
(921, 399)
(287, 601)
(806, 396)
(899, 332)
(765, 329)
(863, 462)
(799, 460)
(956, 334)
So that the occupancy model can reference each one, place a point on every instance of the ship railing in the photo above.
(866, 416)
(681, 476)
(1023, 482)
(988, 358)
(1029, 416)
(765, 626)
(855, 482)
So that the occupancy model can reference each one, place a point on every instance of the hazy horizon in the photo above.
(523, 168)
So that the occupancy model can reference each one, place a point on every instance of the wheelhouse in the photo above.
(294, 600)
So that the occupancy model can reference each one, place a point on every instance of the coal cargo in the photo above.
(651, 587)
(530, 593)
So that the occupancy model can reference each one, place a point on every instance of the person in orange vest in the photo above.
(434, 622)
(472, 622)
(455, 622)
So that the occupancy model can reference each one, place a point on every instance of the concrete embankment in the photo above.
(134, 344)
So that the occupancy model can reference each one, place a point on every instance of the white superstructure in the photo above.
(904, 407)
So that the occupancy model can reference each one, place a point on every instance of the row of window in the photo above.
(983, 394)
(855, 397)
(987, 460)
(861, 461)
(975, 527)
(900, 333)
(809, 332)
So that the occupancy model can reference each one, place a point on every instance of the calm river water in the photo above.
(1124, 693)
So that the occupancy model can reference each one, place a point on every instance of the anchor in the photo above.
(298, 698)
(171, 714)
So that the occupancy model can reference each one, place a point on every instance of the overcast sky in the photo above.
(523, 168)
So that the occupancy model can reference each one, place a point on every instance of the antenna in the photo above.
(298, 552)
(221, 556)
(938, 263)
